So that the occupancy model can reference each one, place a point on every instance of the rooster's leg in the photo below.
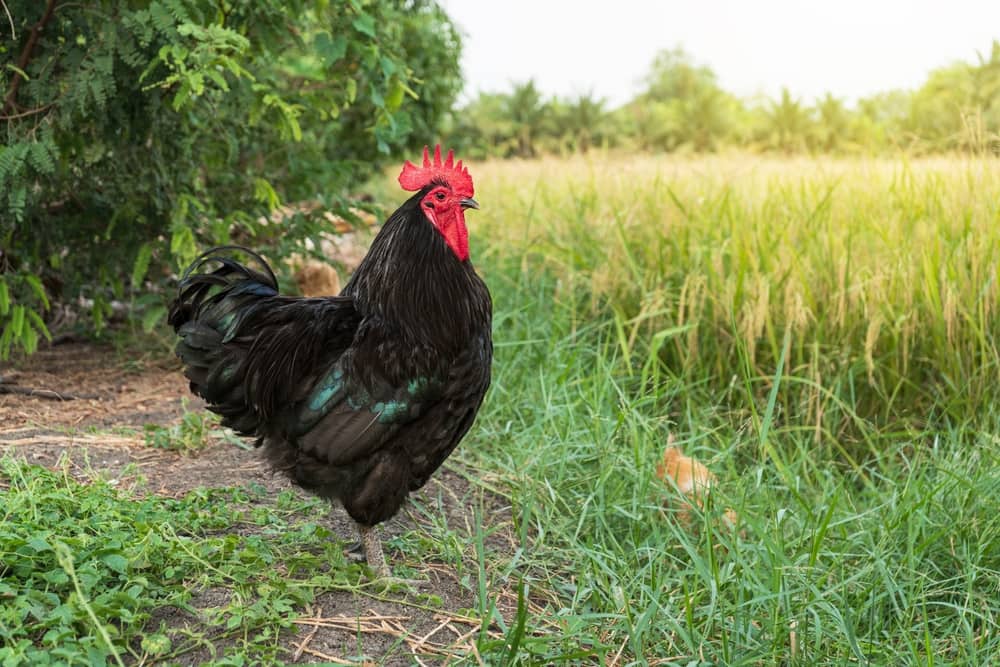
(373, 551)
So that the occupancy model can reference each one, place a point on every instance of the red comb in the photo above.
(454, 174)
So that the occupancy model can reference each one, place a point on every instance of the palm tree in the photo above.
(790, 123)
(834, 122)
(526, 111)
(584, 120)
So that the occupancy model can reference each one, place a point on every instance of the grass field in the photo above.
(822, 334)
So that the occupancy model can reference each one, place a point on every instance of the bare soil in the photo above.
(100, 432)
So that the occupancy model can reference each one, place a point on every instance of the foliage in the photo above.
(135, 133)
(523, 124)
(85, 566)
(189, 436)
(683, 106)
(959, 107)
(833, 562)
(684, 109)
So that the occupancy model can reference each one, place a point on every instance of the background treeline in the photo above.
(683, 108)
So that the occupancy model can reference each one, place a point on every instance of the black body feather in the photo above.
(358, 397)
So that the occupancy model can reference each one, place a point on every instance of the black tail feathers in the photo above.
(210, 307)
(198, 288)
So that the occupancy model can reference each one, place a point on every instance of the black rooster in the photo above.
(357, 397)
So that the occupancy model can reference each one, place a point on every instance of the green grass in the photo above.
(189, 436)
(822, 334)
(885, 272)
(892, 559)
(731, 303)
(85, 566)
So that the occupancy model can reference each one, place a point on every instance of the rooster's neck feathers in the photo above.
(413, 281)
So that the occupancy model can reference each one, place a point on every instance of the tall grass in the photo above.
(884, 273)
(821, 333)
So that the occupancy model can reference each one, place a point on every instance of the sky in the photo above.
(852, 48)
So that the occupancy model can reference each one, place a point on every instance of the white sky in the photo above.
(851, 48)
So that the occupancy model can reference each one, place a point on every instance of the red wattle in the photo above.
(456, 235)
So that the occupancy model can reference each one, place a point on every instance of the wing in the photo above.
(357, 407)
(468, 380)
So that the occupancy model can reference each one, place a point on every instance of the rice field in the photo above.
(882, 274)
(821, 333)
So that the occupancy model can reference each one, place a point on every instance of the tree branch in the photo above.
(29, 112)
(10, 19)
(25, 57)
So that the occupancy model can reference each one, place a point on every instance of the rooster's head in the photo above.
(446, 191)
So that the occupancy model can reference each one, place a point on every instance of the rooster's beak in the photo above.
(469, 202)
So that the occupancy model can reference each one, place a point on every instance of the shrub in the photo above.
(135, 133)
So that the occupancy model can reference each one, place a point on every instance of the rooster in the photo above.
(358, 397)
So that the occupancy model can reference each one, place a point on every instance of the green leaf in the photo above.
(16, 320)
(395, 97)
(182, 96)
(6, 338)
(141, 265)
(21, 72)
(157, 644)
(116, 562)
(98, 311)
(264, 192)
(218, 79)
(376, 96)
(330, 49)
(29, 339)
(39, 324)
(152, 317)
(56, 577)
(40, 158)
(35, 283)
(388, 66)
(39, 544)
(365, 24)
(4, 297)
(182, 244)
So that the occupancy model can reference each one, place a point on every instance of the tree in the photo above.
(833, 123)
(579, 123)
(526, 111)
(789, 124)
(136, 133)
(482, 128)
(683, 105)
(986, 97)
(882, 120)
(959, 105)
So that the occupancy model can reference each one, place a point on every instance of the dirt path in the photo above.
(101, 434)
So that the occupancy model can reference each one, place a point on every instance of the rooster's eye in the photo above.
(440, 196)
